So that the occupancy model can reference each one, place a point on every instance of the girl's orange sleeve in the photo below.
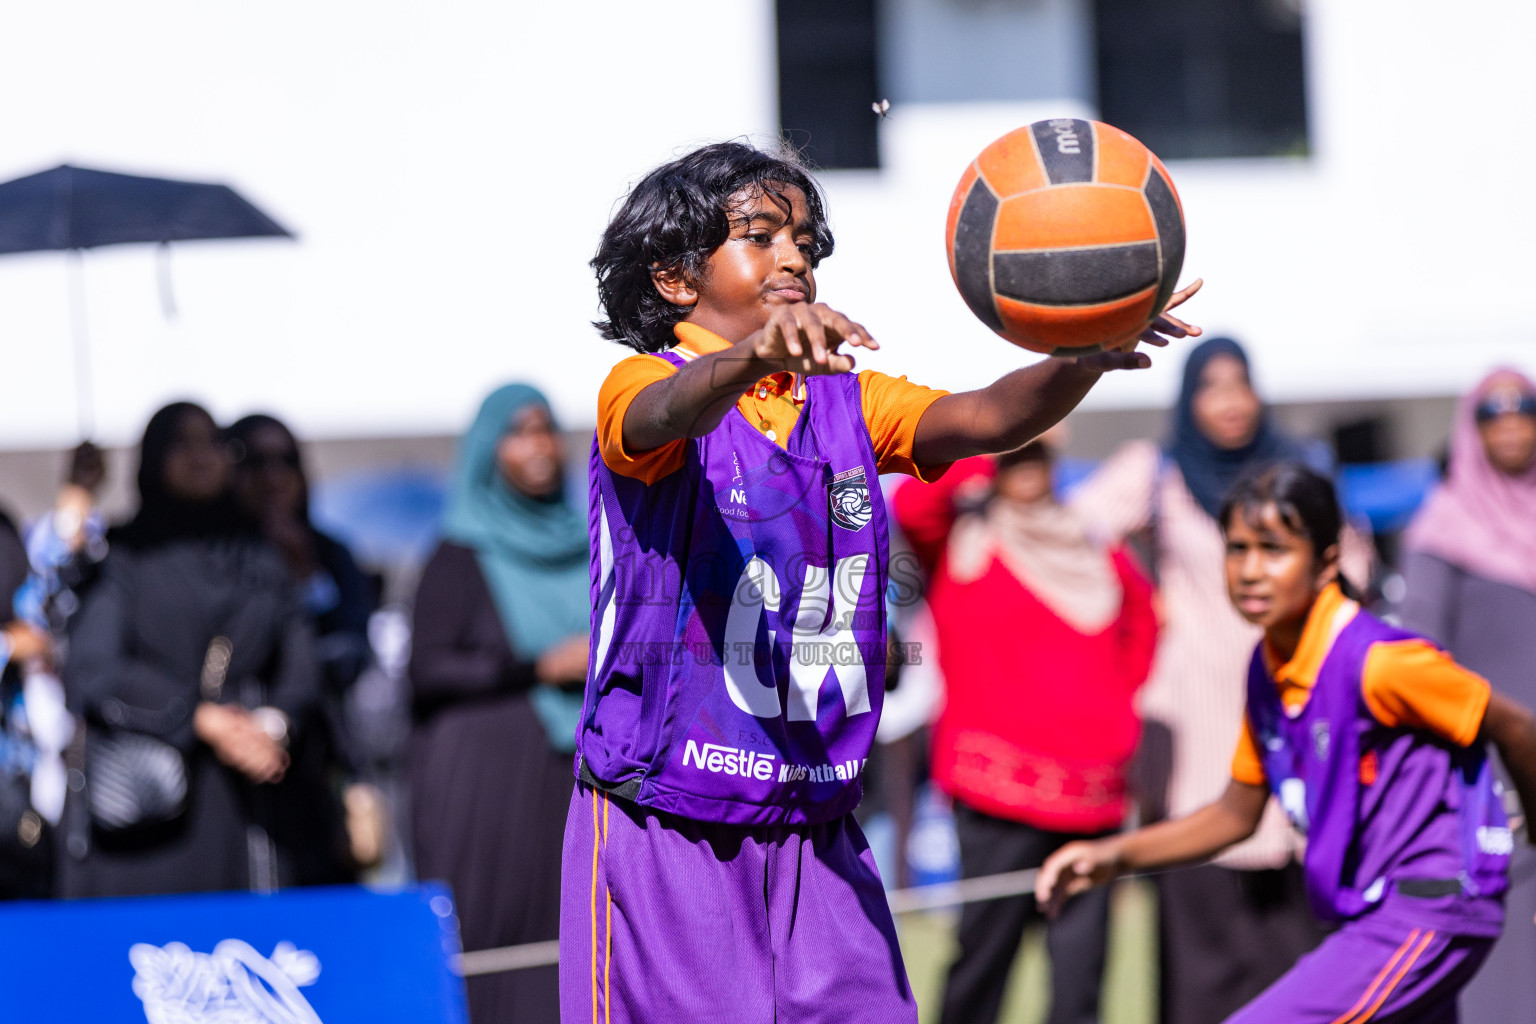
(1412, 684)
(1247, 767)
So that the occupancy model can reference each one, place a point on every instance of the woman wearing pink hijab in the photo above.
(1471, 580)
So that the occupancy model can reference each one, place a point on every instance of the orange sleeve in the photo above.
(1246, 765)
(1412, 684)
(892, 406)
(626, 380)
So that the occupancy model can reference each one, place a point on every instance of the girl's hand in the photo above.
(1076, 867)
(1157, 334)
(803, 338)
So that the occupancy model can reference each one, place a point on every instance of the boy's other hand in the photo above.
(1076, 867)
(803, 337)
(1161, 329)
(564, 662)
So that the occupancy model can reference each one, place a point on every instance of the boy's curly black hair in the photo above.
(674, 219)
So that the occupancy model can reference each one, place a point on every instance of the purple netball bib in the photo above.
(1389, 814)
(738, 652)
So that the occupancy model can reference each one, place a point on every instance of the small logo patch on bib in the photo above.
(848, 499)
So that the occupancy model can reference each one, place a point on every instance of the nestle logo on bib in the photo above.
(722, 760)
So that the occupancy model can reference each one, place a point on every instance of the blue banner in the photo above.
(305, 956)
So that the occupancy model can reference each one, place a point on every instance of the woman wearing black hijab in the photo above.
(272, 492)
(193, 638)
(1221, 428)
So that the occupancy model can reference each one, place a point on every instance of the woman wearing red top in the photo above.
(1044, 638)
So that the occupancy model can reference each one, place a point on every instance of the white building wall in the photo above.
(447, 167)
(1394, 261)
(449, 171)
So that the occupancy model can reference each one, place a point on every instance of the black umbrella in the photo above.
(72, 209)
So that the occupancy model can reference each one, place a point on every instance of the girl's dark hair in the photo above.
(673, 219)
(1306, 501)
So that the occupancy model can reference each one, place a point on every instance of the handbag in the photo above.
(134, 779)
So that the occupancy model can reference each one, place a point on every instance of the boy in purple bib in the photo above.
(1373, 741)
(713, 870)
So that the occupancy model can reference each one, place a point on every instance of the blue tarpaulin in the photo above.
(388, 516)
(393, 516)
(1384, 494)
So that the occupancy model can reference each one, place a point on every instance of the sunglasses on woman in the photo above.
(1505, 404)
(248, 458)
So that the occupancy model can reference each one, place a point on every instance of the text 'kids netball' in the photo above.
(735, 507)
(1374, 741)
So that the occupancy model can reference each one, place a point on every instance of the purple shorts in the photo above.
(1373, 970)
(668, 919)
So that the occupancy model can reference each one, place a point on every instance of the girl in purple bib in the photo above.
(713, 870)
(1374, 742)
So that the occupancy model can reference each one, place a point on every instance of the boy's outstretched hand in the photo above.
(1024, 404)
(1076, 867)
(803, 337)
(1163, 328)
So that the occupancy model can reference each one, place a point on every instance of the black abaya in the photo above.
(137, 649)
(489, 792)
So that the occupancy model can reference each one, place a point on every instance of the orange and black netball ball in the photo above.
(1066, 236)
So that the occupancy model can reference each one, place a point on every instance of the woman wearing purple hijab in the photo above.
(1471, 585)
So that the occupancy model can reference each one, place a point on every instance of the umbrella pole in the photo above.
(84, 397)
(163, 274)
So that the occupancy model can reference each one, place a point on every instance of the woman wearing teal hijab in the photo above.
(499, 655)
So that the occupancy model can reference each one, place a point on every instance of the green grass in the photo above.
(1130, 978)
